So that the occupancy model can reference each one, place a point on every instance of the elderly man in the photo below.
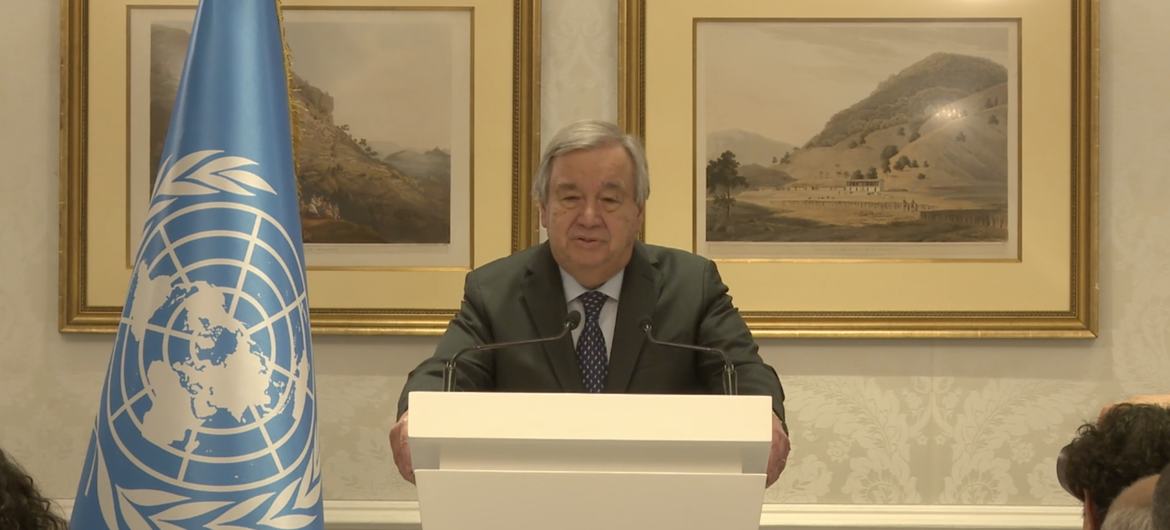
(1128, 443)
(591, 188)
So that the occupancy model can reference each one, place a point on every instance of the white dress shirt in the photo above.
(608, 318)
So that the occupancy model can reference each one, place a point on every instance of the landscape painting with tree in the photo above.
(381, 100)
(857, 139)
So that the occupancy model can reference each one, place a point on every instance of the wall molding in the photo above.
(403, 515)
(856, 516)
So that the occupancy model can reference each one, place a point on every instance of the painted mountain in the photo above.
(924, 157)
(749, 147)
(349, 192)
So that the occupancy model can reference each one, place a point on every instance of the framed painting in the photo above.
(898, 169)
(412, 128)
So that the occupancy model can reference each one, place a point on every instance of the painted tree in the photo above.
(888, 152)
(722, 180)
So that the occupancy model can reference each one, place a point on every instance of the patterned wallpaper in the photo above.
(885, 422)
(579, 54)
(935, 439)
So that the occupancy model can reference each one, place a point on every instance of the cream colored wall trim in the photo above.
(403, 515)
(368, 515)
(822, 516)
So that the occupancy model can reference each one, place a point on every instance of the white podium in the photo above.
(489, 461)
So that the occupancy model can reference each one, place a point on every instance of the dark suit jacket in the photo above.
(521, 297)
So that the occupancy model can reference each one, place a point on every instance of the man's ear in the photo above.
(543, 212)
(1090, 511)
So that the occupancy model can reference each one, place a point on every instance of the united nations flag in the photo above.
(208, 414)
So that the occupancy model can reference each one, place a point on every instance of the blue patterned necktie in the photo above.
(591, 344)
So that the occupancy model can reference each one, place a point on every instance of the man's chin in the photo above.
(585, 261)
(587, 268)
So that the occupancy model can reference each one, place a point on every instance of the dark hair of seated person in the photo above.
(1127, 443)
(21, 506)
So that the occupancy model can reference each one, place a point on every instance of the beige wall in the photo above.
(894, 422)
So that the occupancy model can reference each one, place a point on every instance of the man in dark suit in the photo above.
(591, 188)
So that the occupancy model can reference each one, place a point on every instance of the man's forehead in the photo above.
(605, 155)
(609, 182)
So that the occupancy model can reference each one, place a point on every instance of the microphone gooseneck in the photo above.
(730, 380)
(572, 320)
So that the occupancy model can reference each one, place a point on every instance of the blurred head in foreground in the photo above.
(21, 505)
(1128, 443)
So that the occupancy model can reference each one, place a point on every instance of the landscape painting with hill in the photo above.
(381, 100)
(857, 139)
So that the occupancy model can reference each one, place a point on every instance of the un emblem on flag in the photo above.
(214, 365)
(211, 388)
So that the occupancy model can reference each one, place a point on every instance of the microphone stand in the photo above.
(730, 379)
(572, 320)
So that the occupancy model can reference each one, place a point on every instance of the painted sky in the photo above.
(390, 72)
(786, 79)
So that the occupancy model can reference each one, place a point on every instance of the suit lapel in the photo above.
(639, 286)
(543, 296)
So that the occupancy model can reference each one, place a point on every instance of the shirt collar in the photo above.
(612, 287)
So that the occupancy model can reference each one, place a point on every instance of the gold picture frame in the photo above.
(95, 192)
(1048, 289)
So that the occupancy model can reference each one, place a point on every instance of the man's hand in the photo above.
(401, 448)
(778, 456)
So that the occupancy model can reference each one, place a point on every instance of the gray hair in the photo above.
(1161, 514)
(1129, 518)
(591, 134)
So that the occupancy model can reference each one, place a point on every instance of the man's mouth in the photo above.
(587, 240)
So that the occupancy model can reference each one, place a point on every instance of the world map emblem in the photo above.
(211, 389)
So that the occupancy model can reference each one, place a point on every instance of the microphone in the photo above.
(572, 320)
(730, 380)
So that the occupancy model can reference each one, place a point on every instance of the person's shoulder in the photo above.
(508, 267)
(674, 261)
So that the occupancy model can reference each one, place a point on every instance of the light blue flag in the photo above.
(208, 414)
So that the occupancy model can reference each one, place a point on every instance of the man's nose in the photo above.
(591, 214)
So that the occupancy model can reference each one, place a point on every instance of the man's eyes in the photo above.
(607, 201)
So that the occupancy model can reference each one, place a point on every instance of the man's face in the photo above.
(591, 214)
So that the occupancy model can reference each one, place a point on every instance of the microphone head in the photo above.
(572, 320)
(645, 325)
